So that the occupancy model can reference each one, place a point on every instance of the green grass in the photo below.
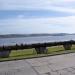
(26, 52)
(29, 53)
(55, 49)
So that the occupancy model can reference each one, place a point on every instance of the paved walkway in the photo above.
(53, 65)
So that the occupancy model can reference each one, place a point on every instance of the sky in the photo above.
(37, 16)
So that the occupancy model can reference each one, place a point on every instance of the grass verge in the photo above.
(31, 53)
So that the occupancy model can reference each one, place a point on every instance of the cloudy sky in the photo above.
(37, 16)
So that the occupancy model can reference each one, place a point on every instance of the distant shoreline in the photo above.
(32, 35)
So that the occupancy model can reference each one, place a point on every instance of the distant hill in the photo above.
(32, 35)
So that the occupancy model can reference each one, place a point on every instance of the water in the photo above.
(39, 39)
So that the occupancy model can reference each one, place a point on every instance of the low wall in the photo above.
(41, 50)
(4, 53)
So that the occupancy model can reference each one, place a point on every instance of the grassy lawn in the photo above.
(29, 53)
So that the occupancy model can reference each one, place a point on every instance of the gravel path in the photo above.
(53, 65)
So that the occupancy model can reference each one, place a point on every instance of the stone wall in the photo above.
(41, 50)
(67, 46)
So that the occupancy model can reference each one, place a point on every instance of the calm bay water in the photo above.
(39, 39)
